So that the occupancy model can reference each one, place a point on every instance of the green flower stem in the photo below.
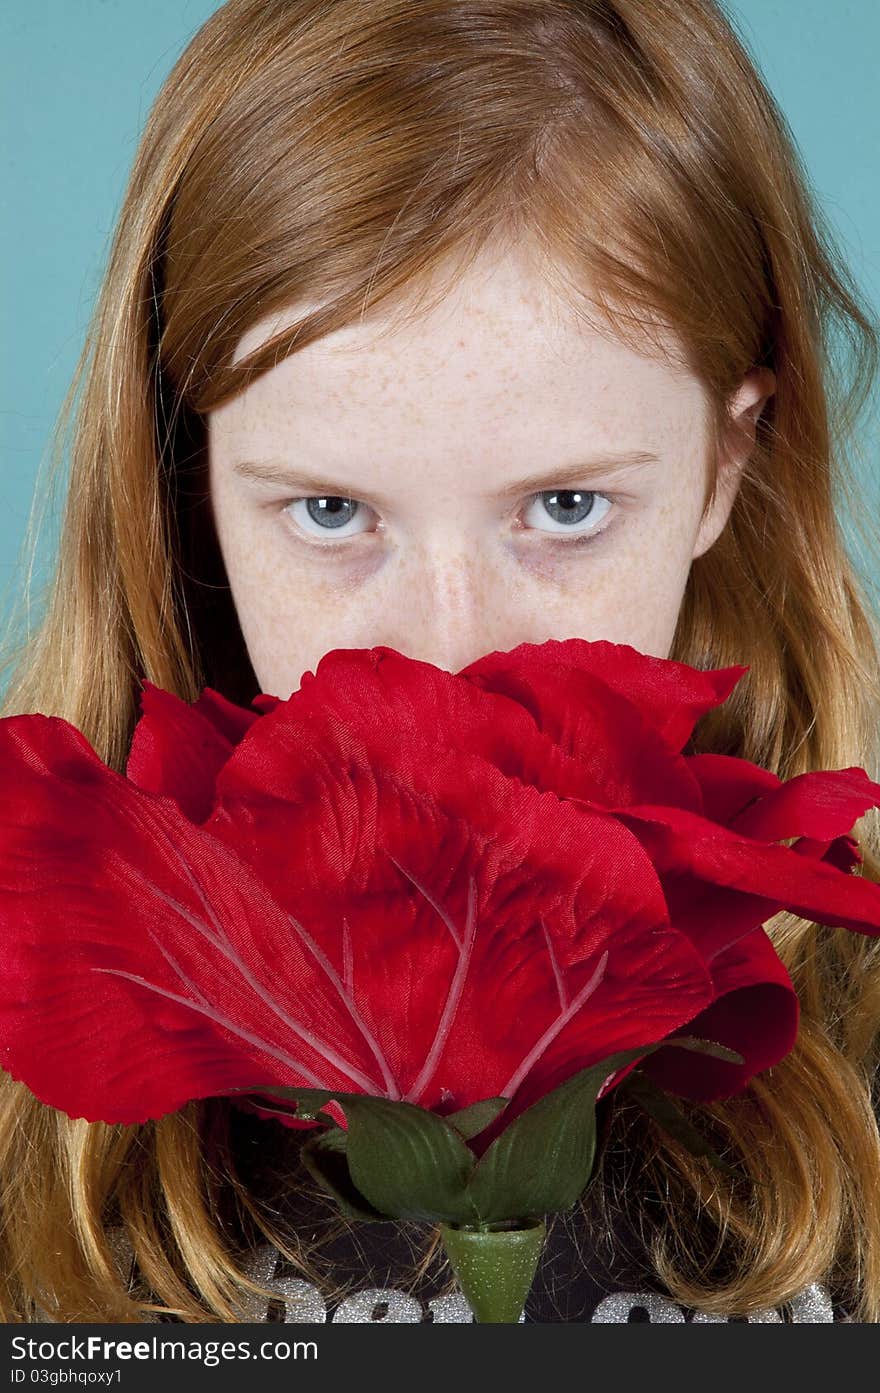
(495, 1266)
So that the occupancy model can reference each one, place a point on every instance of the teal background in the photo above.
(79, 77)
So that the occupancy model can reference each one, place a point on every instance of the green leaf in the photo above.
(542, 1162)
(324, 1157)
(408, 1162)
(658, 1104)
(469, 1122)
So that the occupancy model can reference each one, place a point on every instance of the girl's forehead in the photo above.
(499, 362)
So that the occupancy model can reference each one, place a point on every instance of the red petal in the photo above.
(719, 884)
(265, 703)
(178, 748)
(728, 783)
(141, 957)
(552, 883)
(821, 805)
(118, 1006)
(842, 852)
(230, 720)
(602, 750)
(756, 1014)
(672, 696)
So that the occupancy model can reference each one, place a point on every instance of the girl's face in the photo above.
(497, 474)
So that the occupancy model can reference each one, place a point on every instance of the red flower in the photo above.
(399, 881)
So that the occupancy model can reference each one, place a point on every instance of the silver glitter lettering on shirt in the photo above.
(620, 1306)
(814, 1304)
(765, 1318)
(452, 1307)
(378, 1304)
(303, 1303)
(260, 1268)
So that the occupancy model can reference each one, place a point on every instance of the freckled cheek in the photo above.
(643, 590)
(627, 590)
(283, 598)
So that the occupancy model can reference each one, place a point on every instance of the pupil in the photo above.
(332, 511)
(568, 505)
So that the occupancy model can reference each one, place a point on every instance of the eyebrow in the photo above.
(276, 472)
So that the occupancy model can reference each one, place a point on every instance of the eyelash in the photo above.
(577, 540)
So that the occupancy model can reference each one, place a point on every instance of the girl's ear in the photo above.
(746, 405)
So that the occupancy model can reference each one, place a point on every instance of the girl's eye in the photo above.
(564, 509)
(330, 514)
(567, 509)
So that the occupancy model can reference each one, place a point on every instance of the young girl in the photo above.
(526, 305)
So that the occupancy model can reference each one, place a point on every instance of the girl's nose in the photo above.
(452, 609)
